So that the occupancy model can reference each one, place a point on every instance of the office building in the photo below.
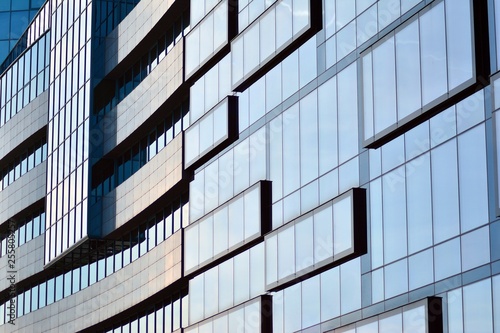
(252, 166)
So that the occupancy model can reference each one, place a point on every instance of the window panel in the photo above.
(418, 181)
(308, 138)
(445, 191)
(327, 126)
(394, 210)
(383, 84)
(447, 259)
(408, 70)
(433, 54)
(473, 182)
(477, 307)
(460, 54)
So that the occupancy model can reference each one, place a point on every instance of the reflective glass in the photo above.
(346, 40)
(408, 70)
(304, 247)
(378, 285)
(455, 311)
(308, 138)
(388, 11)
(211, 292)
(236, 226)
(206, 37)
(384, 73)
(445, 191)
(421, 270)
(478, 307)
(473, 181)
(327, 126)
(292, 305)
(433, 54)
(390, 323)
(443, 126)
(226, 284)
(286, 252)
(418, 181)
(345, 11)
(394, 209)
(257, 271)
(366, 23)
(347, 120)
(192, 48)
(447, 259)
(396, 278)
(376, 226)
(307, 61)
(241, 277)
(342, 225)
(291, 171)
(459, 42)
(311, 301)
(206, 241)
(290, 73)
(475, 248)
(350, 286)
(283, 22)
(413, 325)
(276, 163)
(267, 35)
(496, 299)
(221, 228)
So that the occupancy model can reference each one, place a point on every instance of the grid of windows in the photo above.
(165, 317)
(272, 32)
(132, 246)
(207, 38)
(31, 227)
(249, 10)
(69, 125)
(349, 24)
(416, 65)
(141, 69)
(123, 167)
(23, 163)
(431, 229)
(26, 79)
(109, 13)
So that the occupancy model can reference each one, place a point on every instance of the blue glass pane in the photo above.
(20, 4)
(4, 25)
(19, 22)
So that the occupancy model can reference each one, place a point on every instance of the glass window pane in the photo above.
(396, 278)
(304, 247)
(447, 259)
(394, 210)
(308, 138)
(311, 301)
(459, 38)
(384, 79)
(445, 191)
(478, 307)
(418, 181)
(475, 248)
(408, 70)
(473, 180)
(433, 54)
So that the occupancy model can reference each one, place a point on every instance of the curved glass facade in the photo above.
(274, 166)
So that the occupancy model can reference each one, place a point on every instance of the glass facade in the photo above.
(15, 16)
(281, 166)
(68, 126)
